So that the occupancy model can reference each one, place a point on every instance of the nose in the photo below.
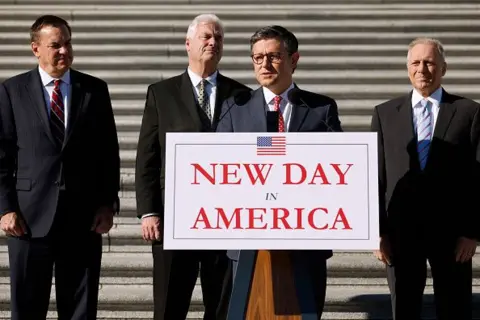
(422, 67)
(63, 50)
(212, 42)
(265, 61)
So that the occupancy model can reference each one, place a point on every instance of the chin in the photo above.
(265, 83)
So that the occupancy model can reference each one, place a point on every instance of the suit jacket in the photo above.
(319, 113)
(171, 106)
(33, 167)
(441, 200)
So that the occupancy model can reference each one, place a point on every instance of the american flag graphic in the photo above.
(271, 146)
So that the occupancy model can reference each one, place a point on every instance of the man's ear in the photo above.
(295, 58)
(444, 69)
(34, 47)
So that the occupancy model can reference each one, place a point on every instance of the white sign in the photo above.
(271, 191)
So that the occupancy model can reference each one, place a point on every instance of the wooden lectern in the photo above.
(271, 285)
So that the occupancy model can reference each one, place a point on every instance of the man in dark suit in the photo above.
(429, 152)
(190, 102)
(275, 57)
(59, 178)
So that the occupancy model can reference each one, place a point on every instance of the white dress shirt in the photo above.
(285, 104)
(435, 98)
(65, 89)
(210, 88)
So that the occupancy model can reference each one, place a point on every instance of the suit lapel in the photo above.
(257, 107)
(445, 115)
(34, 88)
(188, 98)
(77, 102)
(299, 114)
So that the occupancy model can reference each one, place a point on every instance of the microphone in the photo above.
(272, 121)
(295, 97)
(239, 99)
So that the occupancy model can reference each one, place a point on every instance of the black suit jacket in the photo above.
(33, 168)
(247, 113)
(170, 107)
(442, 200)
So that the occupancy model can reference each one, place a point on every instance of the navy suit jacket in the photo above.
(248, 113)
(33, 168)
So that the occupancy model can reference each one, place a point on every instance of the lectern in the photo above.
(320, 194)
(271, 285)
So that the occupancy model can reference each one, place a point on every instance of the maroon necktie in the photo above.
(276, 107)
(57, 114)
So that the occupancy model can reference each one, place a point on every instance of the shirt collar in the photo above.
(434, 98)
(195, 78)
(269, 95)
(47, 79)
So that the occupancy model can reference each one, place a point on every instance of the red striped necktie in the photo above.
(57, 114)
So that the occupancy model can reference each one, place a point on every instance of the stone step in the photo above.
(132, 123)
(177, 65)
(189, 6)
(270, 13)
(138, 264)
(453, 77)
(198, 315)
(328, 38)
(373, 299)
(346, 106)
(252, 2)
(179, 26)
(10, 63)
(347, 92)
(331, 281)
(229, 50)
(120, 315)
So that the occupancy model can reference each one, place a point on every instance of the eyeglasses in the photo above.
(272, 57)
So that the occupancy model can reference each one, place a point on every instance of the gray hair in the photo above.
(431, 41)
(203, 18)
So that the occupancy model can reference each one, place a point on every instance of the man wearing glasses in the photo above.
(275, 57)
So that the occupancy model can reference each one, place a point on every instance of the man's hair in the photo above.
(279, 33)
(431, 41)
(203, 18)
(47, 21)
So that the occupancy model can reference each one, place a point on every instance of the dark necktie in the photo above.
(203, 98)
(57, 114)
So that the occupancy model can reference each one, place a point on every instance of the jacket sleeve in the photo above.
(8, 154)
(148, 161)
(377, 127)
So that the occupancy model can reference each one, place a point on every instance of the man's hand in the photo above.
(103, 221)
(13, 225)
(465, 249)
(385, 252)
(151, 228)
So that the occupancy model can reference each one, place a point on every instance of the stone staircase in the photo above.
(354, 51)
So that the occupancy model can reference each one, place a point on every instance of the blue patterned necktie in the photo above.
(424, 132)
